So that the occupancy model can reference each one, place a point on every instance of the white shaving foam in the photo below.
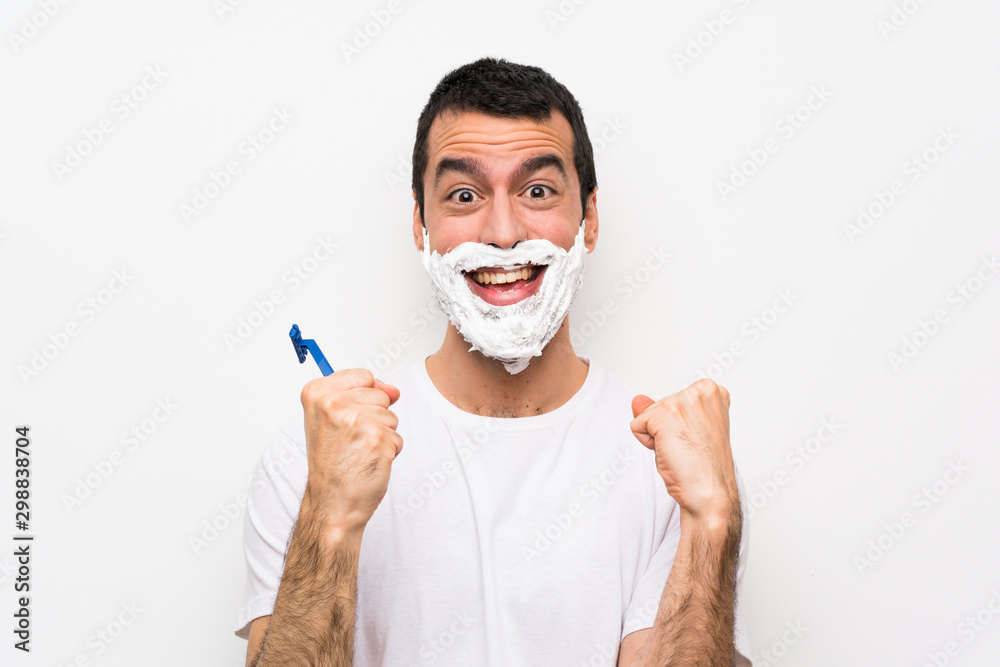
(515, 333)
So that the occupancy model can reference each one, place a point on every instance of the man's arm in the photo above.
(351, 441)
(694, 623)
(313, 619)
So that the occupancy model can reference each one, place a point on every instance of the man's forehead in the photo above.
(461, 133)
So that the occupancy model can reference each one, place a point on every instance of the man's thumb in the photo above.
(392, 392)
(640, 403)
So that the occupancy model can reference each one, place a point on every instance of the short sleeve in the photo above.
(646, 597)
(276, 488)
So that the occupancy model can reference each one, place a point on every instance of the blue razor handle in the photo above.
(308, 345)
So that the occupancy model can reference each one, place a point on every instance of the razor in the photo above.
(305, 346)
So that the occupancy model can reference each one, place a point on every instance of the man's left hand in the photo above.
(689, 431)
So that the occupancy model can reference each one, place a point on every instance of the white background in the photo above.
(682, 128)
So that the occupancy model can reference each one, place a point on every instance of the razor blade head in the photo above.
(300, 350)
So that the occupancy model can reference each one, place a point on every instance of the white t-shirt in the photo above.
(507, 542)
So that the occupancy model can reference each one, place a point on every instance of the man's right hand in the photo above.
(351, 441)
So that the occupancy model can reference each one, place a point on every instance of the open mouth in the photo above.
(501, 287)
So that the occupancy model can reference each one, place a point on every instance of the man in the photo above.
(523, 524)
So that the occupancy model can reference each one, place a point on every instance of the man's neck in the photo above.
(481, 385)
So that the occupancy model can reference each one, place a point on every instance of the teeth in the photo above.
(490, 278)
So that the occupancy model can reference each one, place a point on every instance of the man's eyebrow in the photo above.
(533, 164)
(461, 165)
(474, 168)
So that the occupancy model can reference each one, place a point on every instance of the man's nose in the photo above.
(502, 226)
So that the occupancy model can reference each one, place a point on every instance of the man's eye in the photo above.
(538, 191)
(464, 196)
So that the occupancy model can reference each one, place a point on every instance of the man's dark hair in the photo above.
(500, 88)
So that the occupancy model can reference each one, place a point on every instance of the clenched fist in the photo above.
(689, 431)
(351, 441)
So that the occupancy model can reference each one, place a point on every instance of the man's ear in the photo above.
(590, 221)
(418, 225)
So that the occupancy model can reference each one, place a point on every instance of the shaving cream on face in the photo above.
(515, 333)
